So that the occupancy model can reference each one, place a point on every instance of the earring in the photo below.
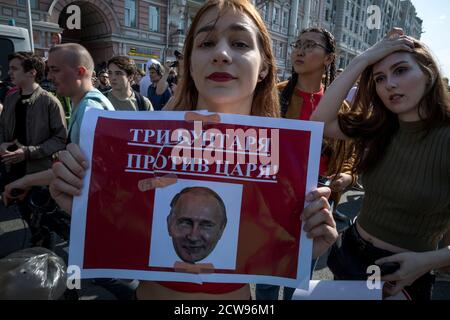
(261, 76)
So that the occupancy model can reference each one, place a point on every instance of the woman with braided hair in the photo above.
(313, 59)
(313, 64)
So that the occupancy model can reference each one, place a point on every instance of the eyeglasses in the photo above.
(307, 46)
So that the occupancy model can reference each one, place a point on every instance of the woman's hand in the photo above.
(341, 182)
(413, 265)
(394, 41)
(69, 172)
(318, 222)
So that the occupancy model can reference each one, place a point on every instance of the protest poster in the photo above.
(154, 177)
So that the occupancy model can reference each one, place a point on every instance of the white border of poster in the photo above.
(79, 209)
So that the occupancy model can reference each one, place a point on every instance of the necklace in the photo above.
(313, 101)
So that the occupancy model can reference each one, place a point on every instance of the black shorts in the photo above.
(351, 255)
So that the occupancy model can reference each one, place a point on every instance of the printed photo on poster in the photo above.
(196, 222)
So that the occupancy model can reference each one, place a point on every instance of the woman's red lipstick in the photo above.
(220, 77)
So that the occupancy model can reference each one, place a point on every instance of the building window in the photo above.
(274, 47)
(277, 48)
(130, 13)
(265, 12)
(285, 19)
(276, 15)
(153, 18)
(33, 3)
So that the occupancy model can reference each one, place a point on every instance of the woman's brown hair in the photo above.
(373, 125)
(265, 99)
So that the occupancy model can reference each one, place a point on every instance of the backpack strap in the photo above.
(140, 101)
(99, 101)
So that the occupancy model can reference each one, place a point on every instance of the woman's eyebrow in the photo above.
(392, 67)
(233, 27)
(207, 28)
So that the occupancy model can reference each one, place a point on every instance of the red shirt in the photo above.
(310, 103)
(207, 287)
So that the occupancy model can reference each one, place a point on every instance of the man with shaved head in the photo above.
(196, 222)
(70, 69)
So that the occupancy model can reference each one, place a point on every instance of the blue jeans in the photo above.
(271, 292)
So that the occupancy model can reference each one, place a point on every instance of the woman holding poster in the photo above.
(229, 68)
(400, 119)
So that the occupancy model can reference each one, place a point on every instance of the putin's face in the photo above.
(196, 225)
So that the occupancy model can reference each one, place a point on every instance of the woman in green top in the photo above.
(400, 120)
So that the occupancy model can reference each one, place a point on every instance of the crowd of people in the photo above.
(393, 133)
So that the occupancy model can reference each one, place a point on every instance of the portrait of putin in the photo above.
(196, 222)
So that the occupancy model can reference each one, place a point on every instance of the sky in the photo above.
(436, 27)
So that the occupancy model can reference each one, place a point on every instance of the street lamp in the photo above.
(30, 25)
